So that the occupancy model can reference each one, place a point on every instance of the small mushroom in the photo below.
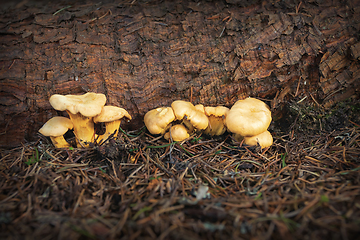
(186, 110)
(248, 117)
(216, 116)
(111, 116)
(81, 110)
(157, 120)
(55, 128)
(263, 139)
(178, 133)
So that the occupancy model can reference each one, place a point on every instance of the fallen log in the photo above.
(145, 54)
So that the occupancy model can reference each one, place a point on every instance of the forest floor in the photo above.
(305, 186)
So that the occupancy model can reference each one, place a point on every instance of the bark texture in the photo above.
(144, 54)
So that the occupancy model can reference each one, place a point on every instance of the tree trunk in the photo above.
(144, 54)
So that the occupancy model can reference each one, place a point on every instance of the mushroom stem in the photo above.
(216, 126)
(111, 128)
(83, 129)
(188, 125)
(238, 137)
(60, 142)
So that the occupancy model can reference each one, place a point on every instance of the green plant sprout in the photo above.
(283, 156)
(34, 159)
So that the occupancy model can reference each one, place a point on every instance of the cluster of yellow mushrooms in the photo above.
(248, 119)
(84, 111)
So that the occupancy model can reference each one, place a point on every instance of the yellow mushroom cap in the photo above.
(196, 117)
(218, 111)
(248, 117)
(56, 126)
(178, 133)
(181, 108)
(158, 120)
(264, 139)
(111, 113)
(200, 108)
(88, 105)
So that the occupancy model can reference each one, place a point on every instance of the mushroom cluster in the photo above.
(84, 111)
(183, 118)
(248, 119)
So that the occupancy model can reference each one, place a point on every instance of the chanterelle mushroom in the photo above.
(216, 116)
(111, 116)
(248, 117)
(55, 128)
(263, 139)
(157, 120)
(178, 133)
(186, 110)
(81, 109)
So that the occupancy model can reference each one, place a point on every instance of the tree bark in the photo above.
(145, 54)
